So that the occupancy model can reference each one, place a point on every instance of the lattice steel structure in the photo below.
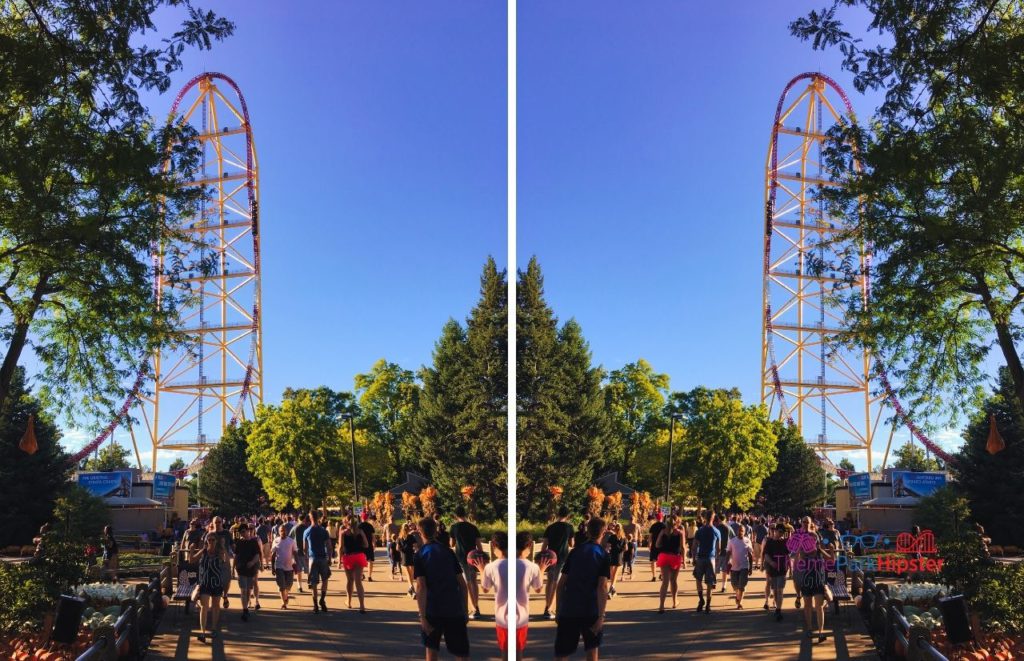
(805, 377)
(217, 378)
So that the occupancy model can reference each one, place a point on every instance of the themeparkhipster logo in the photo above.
(920, 546)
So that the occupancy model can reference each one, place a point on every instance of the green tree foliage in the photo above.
(85, 193)
(297, 449)
(729, 448)
(992, 482)
(80, 516)
(939, 193)
(634, 398)
(946, 513)
(798, 483)
(29, 484)
(389, 401)
(463, 428)
(177, 465)
(560, 407)
(225, 482)
(912, 458)
(111, 457)
(846, 464)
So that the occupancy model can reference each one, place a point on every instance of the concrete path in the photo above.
(390, 628)
(635, 630)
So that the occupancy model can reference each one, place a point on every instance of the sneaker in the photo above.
(548, 615)
(765, 606)
(411, 591)
(257, 605)
(202, 638)
(700, 605)
(245, 614)
(316, 609)
(798, 602)
(475, 614)
(611, 592)
(323, 605)
(707, 607)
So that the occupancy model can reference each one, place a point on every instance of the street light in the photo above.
(352, 430)
(671, 436)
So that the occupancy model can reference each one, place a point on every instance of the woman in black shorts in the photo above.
(614, 544)
(408, 544)
(812, 586)
(211, 587)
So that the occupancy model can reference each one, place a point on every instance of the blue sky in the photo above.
(643, 131)
(381, 134)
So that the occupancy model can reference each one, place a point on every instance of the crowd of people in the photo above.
(577, 567)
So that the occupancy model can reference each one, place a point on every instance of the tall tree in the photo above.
(560, 415)
(799, 481)
(111, 457)
(389, 400)
(29, 484)
(297, 449)
(85, 194)
(846, 464)
(225, 482)
(938, 192)
(470, 449)
(728, 450)
(912, 458)
(635, 396)
(992, 482)
(177, 465)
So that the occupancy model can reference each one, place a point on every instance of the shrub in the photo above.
(945, 512)
(25, 598)
(81, 516)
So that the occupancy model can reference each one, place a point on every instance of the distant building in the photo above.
(610, 484)
(414, 484)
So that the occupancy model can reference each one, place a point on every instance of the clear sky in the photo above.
(643, 131)
(381, 135)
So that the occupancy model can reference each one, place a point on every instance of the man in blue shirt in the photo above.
(316, 541)
(441, 595)
(706, 544)
(583, 594)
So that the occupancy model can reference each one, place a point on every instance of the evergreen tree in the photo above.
(562, 427)
(846, 464)
(112, 457)
(469, 383)
(992, 482)
(177, 465)
(799, 481)
(912, 458)
(29, 484)
(225, 482)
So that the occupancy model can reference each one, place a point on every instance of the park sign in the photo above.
(911, 483)
(860, 486)
(107, 484)
(163, 487)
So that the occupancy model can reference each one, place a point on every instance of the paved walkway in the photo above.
(634, 629)
(390, 628)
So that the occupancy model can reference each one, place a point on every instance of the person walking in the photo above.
(248, 559)
(670, 560)
(409, 542)
(741, 562)
(707, 541)
(558, 538)
(812, 557)
(655, 534)
(760, 534)
(725, 533)
(111, 555)
(298, 533)
(440, 596)
(209, 559)
(367, 526)
(775, 561)
(317, 542)
(354, 545)
(465, 537)
(282, 558)
(615, 545)
(583, 595)
(628, 558)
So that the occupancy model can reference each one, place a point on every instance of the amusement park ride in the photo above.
(184, 398)
(828, 391)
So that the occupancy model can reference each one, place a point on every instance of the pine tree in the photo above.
(799, 481)
(225, 482)
(462, 425)
(29, 484)
(562, 426)
(992, 482)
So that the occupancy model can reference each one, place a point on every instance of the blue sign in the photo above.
(163, 487)
(860, 486)
(910, 483)
(108, 484)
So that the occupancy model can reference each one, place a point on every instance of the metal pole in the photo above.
(668, 484)
(355, 485)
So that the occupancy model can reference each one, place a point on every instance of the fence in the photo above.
(887, 625)
(135, 627)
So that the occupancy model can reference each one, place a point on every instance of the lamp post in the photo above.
(671, 437)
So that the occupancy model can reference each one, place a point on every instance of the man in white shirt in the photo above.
(282, 558)
(741, 555)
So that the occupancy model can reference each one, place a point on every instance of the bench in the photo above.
(186, 581)
(840, 594)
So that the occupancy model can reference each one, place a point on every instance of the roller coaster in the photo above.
(215, 374)
(835, 395)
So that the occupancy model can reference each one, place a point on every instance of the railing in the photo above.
(136, 625)
(889, 627)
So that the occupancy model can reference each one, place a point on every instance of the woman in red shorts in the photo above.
(353, 560)
(670, 560)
